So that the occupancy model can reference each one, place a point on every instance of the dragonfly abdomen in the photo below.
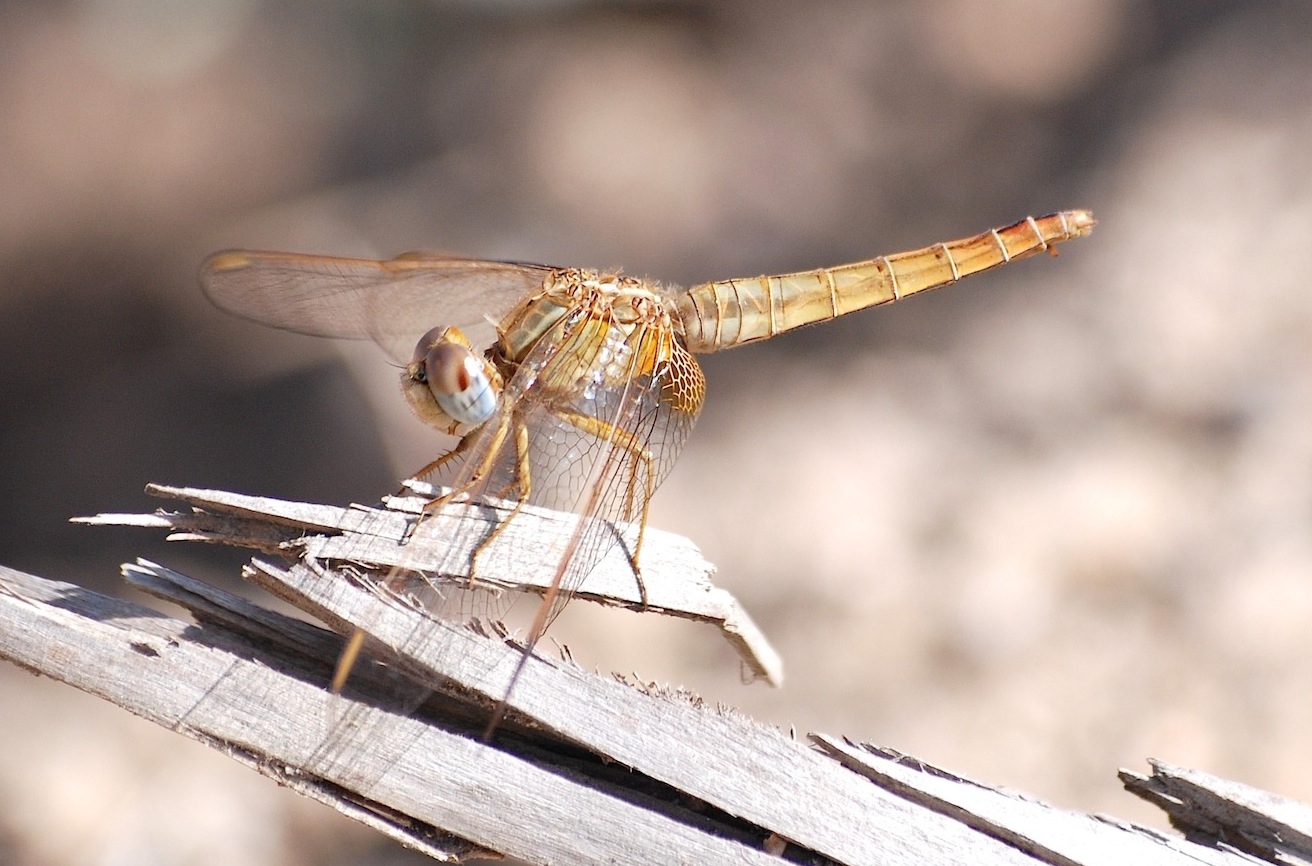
(728, 313)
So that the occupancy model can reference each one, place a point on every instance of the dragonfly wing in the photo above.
(392, 302)
(598, 449)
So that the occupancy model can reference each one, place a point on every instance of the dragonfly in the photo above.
(570, 388)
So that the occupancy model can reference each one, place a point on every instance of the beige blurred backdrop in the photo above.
(1035, 527)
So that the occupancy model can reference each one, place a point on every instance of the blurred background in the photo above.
(1032, 528)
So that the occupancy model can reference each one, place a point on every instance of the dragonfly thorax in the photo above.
(619, 301)
(585, 335)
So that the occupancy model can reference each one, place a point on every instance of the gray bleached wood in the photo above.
(724, 788)
(1204, 806)
(254, 703)
(1050, 834)
(676, 577)
(584, 769)
(249, 682)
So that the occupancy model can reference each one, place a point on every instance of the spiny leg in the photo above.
(478, 472)
(608, 432)
(461, 447)
(433, 504)
(640, 456)
(522, 481)
(649, 490)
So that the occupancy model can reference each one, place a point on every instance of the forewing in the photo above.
(392, 302)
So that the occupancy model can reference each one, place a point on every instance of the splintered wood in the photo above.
(585, 769)
(676, 579)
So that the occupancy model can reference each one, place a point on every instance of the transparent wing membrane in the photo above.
(392, 302)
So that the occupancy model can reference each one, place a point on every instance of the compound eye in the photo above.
(458, 379)
(417, 370)
(426, 344)
(448, 368)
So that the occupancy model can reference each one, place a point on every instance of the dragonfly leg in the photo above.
(479, 471)
(642, 525)
(642, 456)
(476, 474)
(461, 447)
(434, 504)
(608, 432)
(524, 486)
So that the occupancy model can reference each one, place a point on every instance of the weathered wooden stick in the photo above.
(698, 785)
(1201, 805)
(584, 769)
(260, 703)
(676, 577)
(250, 683)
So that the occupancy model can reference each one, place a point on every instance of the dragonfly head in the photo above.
(448, 385)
